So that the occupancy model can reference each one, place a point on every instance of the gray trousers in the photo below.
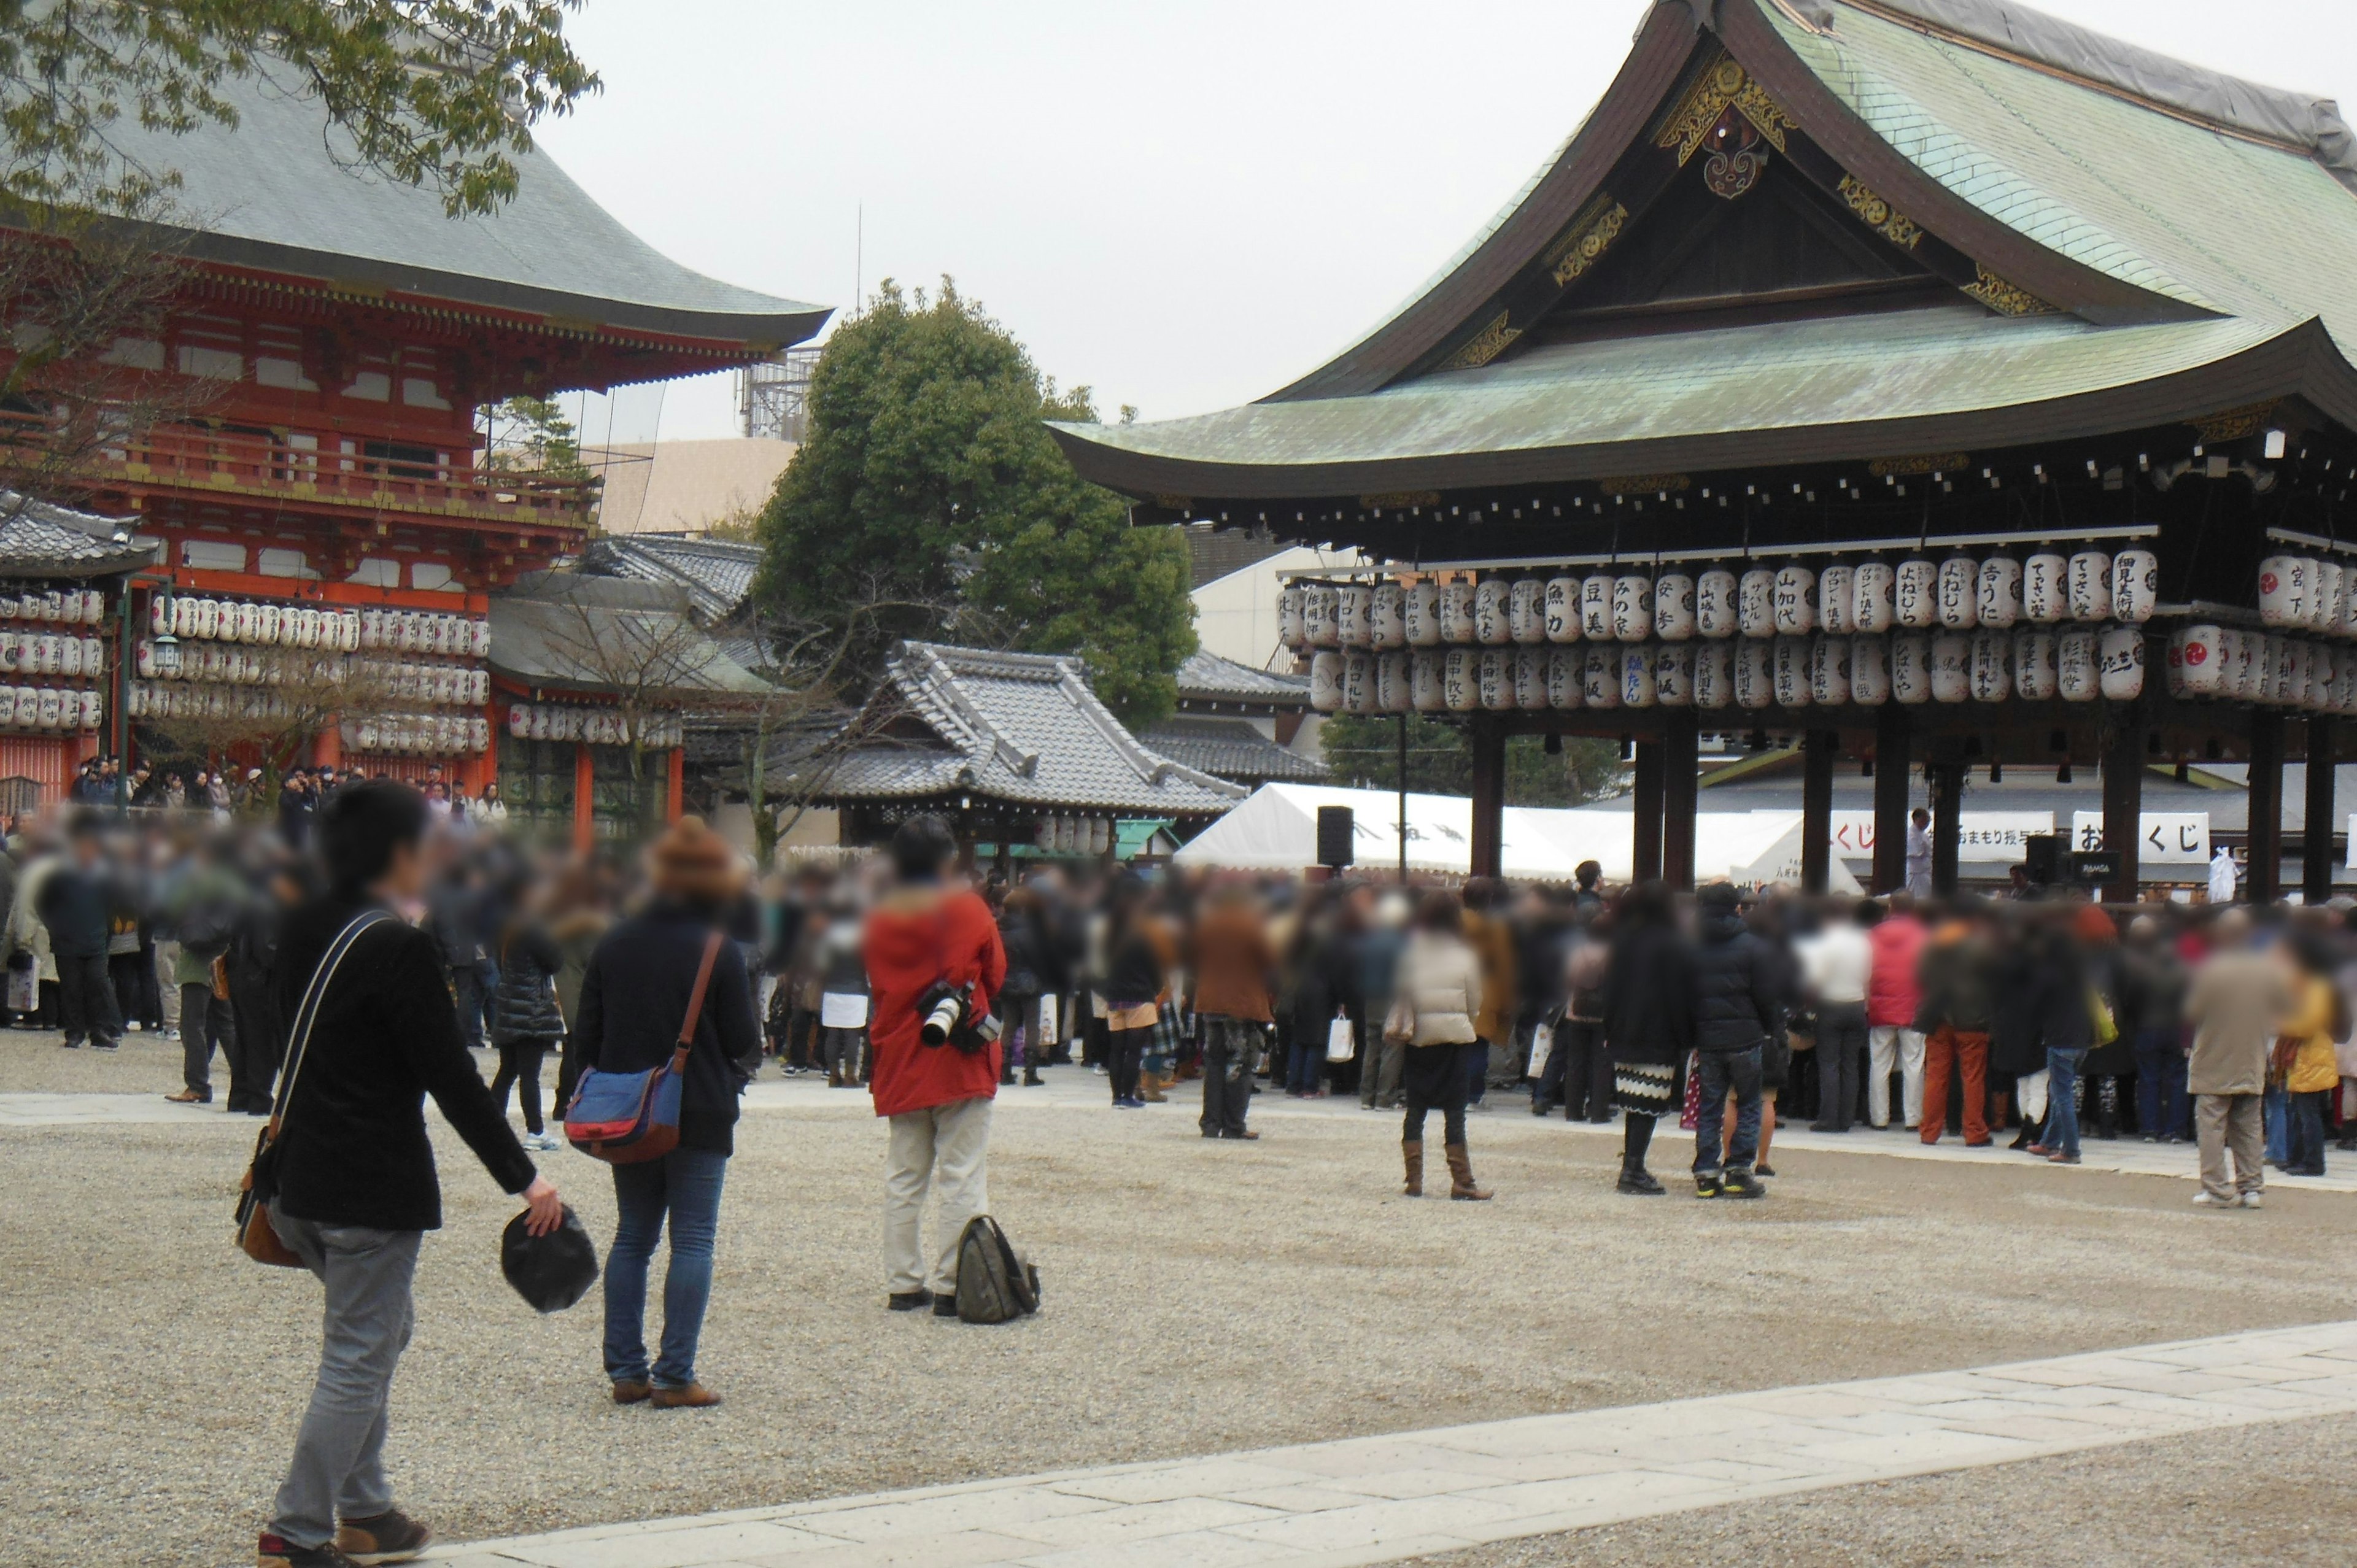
(1378, 1081)
(2224, 1122)
(338, 1468)
(1231, 1056)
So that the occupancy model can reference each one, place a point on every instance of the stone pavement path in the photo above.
(1380, 1500)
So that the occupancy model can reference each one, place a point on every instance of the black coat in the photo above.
(525, 1006)
(353, 1150)
(634, 997)
(1021, 938)
(1649, 996)
(1737, 987)
(1327, 983)
(78, 906)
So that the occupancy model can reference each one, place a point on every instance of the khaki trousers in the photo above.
(2223, 1121)
(944, 1150)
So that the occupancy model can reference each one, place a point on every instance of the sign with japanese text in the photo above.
(1983, 837)
(2166, 838)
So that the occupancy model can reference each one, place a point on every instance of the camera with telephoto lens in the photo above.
(948, 1013)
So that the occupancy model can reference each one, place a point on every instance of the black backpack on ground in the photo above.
(995, 1284)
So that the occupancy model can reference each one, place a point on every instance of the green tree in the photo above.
(436, 93)
(531, 436)
(926, 475)
(1363, 752)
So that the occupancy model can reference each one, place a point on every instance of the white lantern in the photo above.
(1358, 682)
(267, 621)
(1637, 677)
(2034, 673)
(48, 653)
(478, 733)
(2045, 588)
(480, 686)
(1563, 609)
(1673, 607)
(2322, 670)
(144, 657)
(28, 707)
(2075, 677)
(1391, 691)
(449, 629)
(545, 725)
(2283, 590)
(1869, 671)
(1910, 667)
(184, 617)
(1959, 593)
(1353, 605)
(93, 607)
(520, 720)
(2346, 626)
(2284, 670)
(208, 617)
(350, 621)
(94, 708)
(1837, 600)
(446, 683)
(2136, 586)
(69, 604)
(1952, 667)
(1998, 596)
(160, 613)
(1596, 607)
(1425, 689)
(1387, 615)
(1992, 657)
(1915, 595)
(53, 605)
(1567, 671)
(1530, 677)
(1526, 610)
(33, 605)
(1600, 676)
(136, 699)
(1632, 609)
(1318, 603)
(1789, 680)
(93, 656)
(372, 628)
(1673, 675)
(1829, 673)
(1874, 597)
(1461, 683)
(1716, 612)
(1755, 603)
(2248, 679)
(1493, 623)
(1796, 601)
(1326, 681)
(2089, 590)
(1714, 675)
(2331, 586)
(52, 708)
(240, 622)
(1420, 614)
(70, 656)
(1456, 612)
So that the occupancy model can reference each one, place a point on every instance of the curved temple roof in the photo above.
(2131, 240)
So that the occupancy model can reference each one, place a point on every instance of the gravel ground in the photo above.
(2277, 1495)
(33, 1061)
(1200, 1296)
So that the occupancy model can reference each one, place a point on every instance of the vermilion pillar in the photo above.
(584, 797)
(675, 782)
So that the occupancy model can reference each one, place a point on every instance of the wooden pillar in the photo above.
(1645, 830)
(1819, 748)
(1488, 746)
(1893, 734)
(2316, 838)
(1680, 770)
(2264, 885)
(1947, 782)
(675, 783)
(584, 797)
(2123, 802)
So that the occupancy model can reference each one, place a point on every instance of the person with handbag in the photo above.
(343, 1182)
(666, 990)
(1433, 1009)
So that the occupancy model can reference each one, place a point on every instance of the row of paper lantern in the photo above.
(1960, 594)
(2299, 591)
(50, 653)
(86, 606)
(2077, 664)
(1075, 835)
(419, 734)
(445, 685)
(49, 708)
(237, 665)
(306, 626)
(599, 727)
(2262, 667)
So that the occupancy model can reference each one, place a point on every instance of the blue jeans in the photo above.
(686, 1185)
(1723, 1073)
(2062, 1099)
(2276, 1108)
(2160, 1083)
(1308, 1061)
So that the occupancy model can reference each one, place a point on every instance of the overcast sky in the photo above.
(1182, 205)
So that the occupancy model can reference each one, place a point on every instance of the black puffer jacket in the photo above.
(526, 1008)
(1738, 986)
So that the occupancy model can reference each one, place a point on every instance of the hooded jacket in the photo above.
(1892, 997)
(1736, 985)
(916, 937)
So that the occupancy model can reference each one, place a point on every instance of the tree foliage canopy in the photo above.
(925, 462)
(436, 93)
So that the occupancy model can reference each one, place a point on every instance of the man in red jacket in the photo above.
(931, 927)
(1892, 997)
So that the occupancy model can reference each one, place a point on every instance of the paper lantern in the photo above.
(2283, 590)
(1563, 609)
(1352, 603)
(1790, 673)
(135, 700)
(1829, 671)
(1796, 601)
(2136, 586)
(2045, 588)
(1530, 677)
(1637, 677)
(481, 630)
(448, 629)
(2075, 678)
(1755, 672)
(1837, 600)
(1997, 592)
(1958, 593)
(2320, 670)
(2331, 585)
(1952, 667)
(1424, 691)
(1391, 688)
(1717, 609)
(1874, 597)
(1869, 671)
(2250, 669)
(53, 603)
(520, 720)
(1387, 615)
(1632, 609)
(142, 658)
(52, 708)
(373, 629)
(48, 653)
(69, 604)
(480, 686)
(70, 656)
(1989, 666)
(1673, 607)
(1566, 668)
(1599, 682)
(2087, 590)
(1358, 681)
(1673, 675)
(1596, 607)
(2034, 673)
(1493, 623)
(2119, 666)
(32, 605)
(160, 613)
(1461, 683)
(446, 689)
(1420, 614)
(1714, 675)
(478, 733)
(2284, 670)
(1755, 603)
(208, 617)
(1915, 595)
(1456, 612)
(1326, 681)
(1319, 604)
(1526, 610)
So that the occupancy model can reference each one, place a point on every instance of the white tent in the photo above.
(1277, 830)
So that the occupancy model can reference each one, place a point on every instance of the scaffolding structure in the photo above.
(771, 396)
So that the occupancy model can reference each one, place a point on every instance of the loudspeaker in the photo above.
(2043, 854)
(1335, 832)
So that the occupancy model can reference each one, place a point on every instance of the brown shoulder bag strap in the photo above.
(695, 1001)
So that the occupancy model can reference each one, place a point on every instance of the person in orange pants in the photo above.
(1955, 973)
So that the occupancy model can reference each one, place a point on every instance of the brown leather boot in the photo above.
(1149, 1088)
(695, 1396)
(632, 1394)
(1460, 1175)
(1415, 1156)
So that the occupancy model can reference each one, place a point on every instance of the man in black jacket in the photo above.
(351, 1178)
(77, 903)
(1737, 1009)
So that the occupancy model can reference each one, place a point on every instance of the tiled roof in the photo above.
(716, 576)
(1233, 750)
(1019, 727)
(41, 540)
(571, 630)
(1208, 678)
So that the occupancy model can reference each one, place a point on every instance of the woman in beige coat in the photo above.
(1438, 996)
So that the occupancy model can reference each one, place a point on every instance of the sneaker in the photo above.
(110, 1045)
(2205, 1199)
(909, 1301)
(1739, 1184)
(72, 1044)
(2059, 1158)
(1129, 1105)
(277, 1552)
(2253, 1201)
(390, 1537)
(1707, 1187)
